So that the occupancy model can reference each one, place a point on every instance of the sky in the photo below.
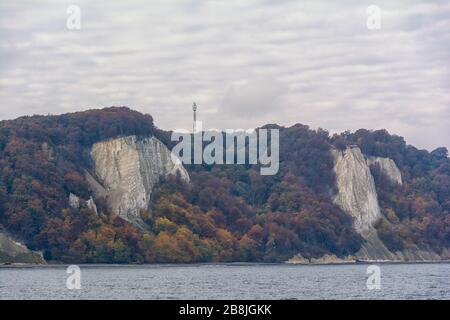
(245, 63)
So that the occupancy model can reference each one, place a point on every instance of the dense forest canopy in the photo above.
(226, 212)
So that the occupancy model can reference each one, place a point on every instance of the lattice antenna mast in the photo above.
(194, 109)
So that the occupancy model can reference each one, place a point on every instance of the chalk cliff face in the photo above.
(387, 167)
(127, 169)
(356, 188)
(357, 194)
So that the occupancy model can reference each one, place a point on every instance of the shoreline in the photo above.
(231, 264)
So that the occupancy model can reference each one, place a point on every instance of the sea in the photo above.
(227, 281)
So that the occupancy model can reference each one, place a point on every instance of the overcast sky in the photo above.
(245, 63)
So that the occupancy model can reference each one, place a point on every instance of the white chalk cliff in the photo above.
(356, 188)
(387, 167)
(126, 170)
(357, 196)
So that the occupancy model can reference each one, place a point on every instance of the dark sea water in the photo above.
(228, 281)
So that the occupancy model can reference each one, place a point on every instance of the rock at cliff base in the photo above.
(14, 252)
(74, 201)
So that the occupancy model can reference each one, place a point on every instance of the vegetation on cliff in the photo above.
(226, 213)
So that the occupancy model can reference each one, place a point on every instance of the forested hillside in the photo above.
(419, 211)
(226, 212)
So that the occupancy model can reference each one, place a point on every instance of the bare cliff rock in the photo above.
(387, 167)
(75, 202)
(356, 188)
(91, 205)
(127, 169)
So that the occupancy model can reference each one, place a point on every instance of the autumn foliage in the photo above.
(226, 213)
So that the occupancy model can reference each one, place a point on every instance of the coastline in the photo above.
(231, 264)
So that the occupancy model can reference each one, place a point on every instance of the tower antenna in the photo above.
(194, 109)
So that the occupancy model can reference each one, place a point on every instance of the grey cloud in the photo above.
(245, 63)
(258, 98)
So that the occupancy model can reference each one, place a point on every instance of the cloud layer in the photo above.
(245, 63)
